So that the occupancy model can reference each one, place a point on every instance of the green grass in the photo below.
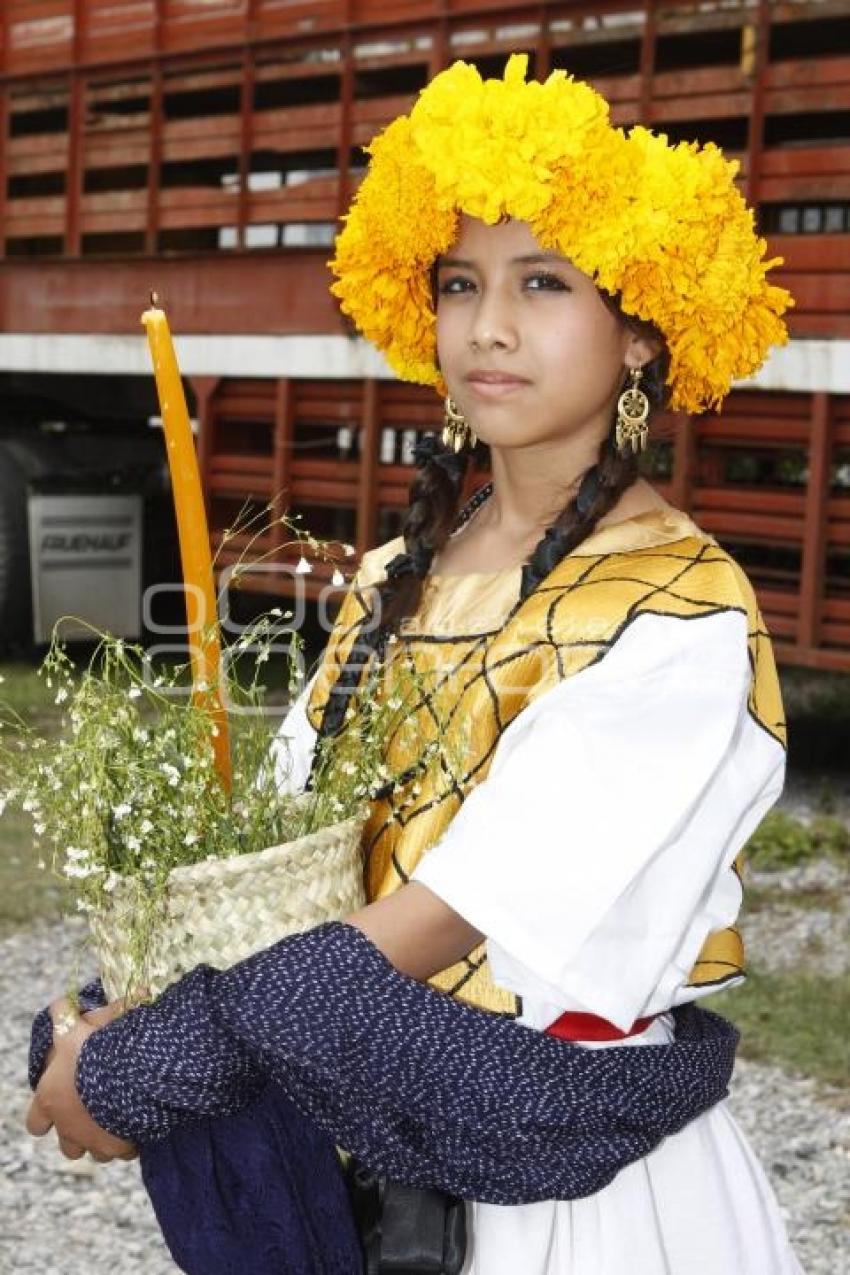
(27, 892)
(795, 1020)
(781, 841)
(24, 691)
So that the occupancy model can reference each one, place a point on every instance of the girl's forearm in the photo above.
(416, 931)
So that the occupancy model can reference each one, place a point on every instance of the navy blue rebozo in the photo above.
(414, 1084)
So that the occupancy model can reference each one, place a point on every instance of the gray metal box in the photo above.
(86, 559)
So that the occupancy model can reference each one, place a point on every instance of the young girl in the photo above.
(609, 690)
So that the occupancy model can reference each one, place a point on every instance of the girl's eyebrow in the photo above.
(458, 263)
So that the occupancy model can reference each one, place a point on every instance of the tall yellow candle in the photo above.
(201, 615)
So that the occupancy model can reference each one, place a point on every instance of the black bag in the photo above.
(406, 1230)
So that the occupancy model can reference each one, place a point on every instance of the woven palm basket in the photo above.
(221, 910)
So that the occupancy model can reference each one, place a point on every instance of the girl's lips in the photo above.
(494, 384)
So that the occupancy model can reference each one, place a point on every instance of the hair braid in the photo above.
(599, 491)
(434, 499)
(601, 486)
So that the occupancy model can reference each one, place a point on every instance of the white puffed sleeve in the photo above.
(596, 855)
(294, 744)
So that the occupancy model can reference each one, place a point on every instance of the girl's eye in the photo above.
(543, 281)
(539, 281)
(454, 284)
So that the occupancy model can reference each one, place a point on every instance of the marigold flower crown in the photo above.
(663, 226)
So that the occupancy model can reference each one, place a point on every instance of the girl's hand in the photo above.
(56, 1103)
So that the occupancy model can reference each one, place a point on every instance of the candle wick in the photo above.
(154, 298)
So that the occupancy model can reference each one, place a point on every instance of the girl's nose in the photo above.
(493, 326)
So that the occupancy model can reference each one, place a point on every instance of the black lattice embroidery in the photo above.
(688, 579)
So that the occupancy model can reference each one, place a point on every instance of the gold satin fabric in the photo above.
(483, 657)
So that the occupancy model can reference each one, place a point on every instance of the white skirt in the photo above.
(699, 1204)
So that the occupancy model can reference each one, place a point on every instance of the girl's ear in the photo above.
(642, 349)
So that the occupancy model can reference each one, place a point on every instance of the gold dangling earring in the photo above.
(457, 434)
(632, 417)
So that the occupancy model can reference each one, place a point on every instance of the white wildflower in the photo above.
(171, 772)
(135, 692)
(79, 871)
(122, 810)
(134, 844)
(190, 839)
(145, 827)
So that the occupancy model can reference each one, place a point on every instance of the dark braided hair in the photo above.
(604, 483)
(433, 512)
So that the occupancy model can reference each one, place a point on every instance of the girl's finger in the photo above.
(105, 1013)
(37, 1121)
(71, 1150)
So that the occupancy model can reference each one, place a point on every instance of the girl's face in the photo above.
(528, 349)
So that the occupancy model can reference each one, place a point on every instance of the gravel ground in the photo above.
(786, 934)
(63, 1218)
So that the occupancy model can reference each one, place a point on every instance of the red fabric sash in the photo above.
(576, 1026)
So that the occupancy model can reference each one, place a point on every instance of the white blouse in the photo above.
(626, 791)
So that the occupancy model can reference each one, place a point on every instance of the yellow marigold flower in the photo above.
(663, 227)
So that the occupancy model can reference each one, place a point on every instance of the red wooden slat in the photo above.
(739, 526)
(806, 161)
